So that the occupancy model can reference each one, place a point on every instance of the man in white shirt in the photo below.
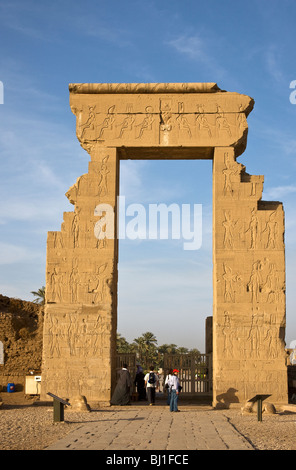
(151, 382)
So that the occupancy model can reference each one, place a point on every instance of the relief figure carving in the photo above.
(255, 283)
(58, 241)
(182, 120)
(75, 231)
(221, 121)
(146, 124)
(89, 124)
(74, 282)
(227, 331)
(108, 121)
(98, 284)
(166, 120)
(104, 172)
(53, 332)
(229, 226)
(254, 337)
(271, 228)
(272, 287)
(55, 285)
(230, 170)
(253, 229)
(126, 125)
(229, 280)
(202, 122)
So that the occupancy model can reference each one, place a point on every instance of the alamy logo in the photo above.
(1, 93)
(158, 222)
(293, 94)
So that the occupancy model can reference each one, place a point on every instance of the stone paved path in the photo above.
(154, 428)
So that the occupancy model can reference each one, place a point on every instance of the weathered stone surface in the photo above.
(117, 121)
(249, 286)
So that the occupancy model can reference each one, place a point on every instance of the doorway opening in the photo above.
(165, 283)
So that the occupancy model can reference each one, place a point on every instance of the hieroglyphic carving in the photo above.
(54, 337)
(253, 229)
(229, 280)
(254, 285)
(55, 280)
(147, 122)
(231, 169)
(98, 284)
(104, 172)
(77, 335)
(229, 227)
(202, 122)
(127, 124)
(271, 228)
(166, 116)
(107, 122)
(183, 121)
(74, 282)
(58, 241)
(241, 118)
(265, 284)
(272, 287)
(227, 331)
(89, 124)
(222, 122)
(256, 338)
(75, 231)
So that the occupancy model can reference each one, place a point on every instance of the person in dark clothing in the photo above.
(140, 384)
(122, 392)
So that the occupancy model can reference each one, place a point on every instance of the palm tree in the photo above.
(139, 346)
(149, 339)
(172, 348)
(40, 294)
(145, 346)
(123, 345)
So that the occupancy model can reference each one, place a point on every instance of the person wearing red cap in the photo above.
(174, 385)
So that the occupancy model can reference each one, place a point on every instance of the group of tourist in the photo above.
(146, 387)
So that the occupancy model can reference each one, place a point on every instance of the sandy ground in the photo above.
(26, 426)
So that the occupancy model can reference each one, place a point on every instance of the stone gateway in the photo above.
(166, 121)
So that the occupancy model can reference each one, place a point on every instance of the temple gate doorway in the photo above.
(165, 121)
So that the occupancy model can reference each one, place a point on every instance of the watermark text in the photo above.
(1, 93)
(293, 93)
(155, 222)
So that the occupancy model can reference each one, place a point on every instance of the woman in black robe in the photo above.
(140, 384)
(122, 392)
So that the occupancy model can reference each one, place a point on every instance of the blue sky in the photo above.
(246, 47)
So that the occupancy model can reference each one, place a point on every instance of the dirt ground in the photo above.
(28, 426)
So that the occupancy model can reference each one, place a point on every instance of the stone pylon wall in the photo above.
(249, 286)
(195, 120)
(81, 290)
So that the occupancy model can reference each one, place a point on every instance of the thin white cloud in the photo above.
(197, 50)
(279, 192)
(273, 64)
(192, 46)
(15, 254)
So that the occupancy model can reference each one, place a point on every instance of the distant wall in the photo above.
(21, 330)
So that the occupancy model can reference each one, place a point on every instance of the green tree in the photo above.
(194, 351)
(182, 350)
(146, 349)
(139, 349)
(40, 294)
(123, 346)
